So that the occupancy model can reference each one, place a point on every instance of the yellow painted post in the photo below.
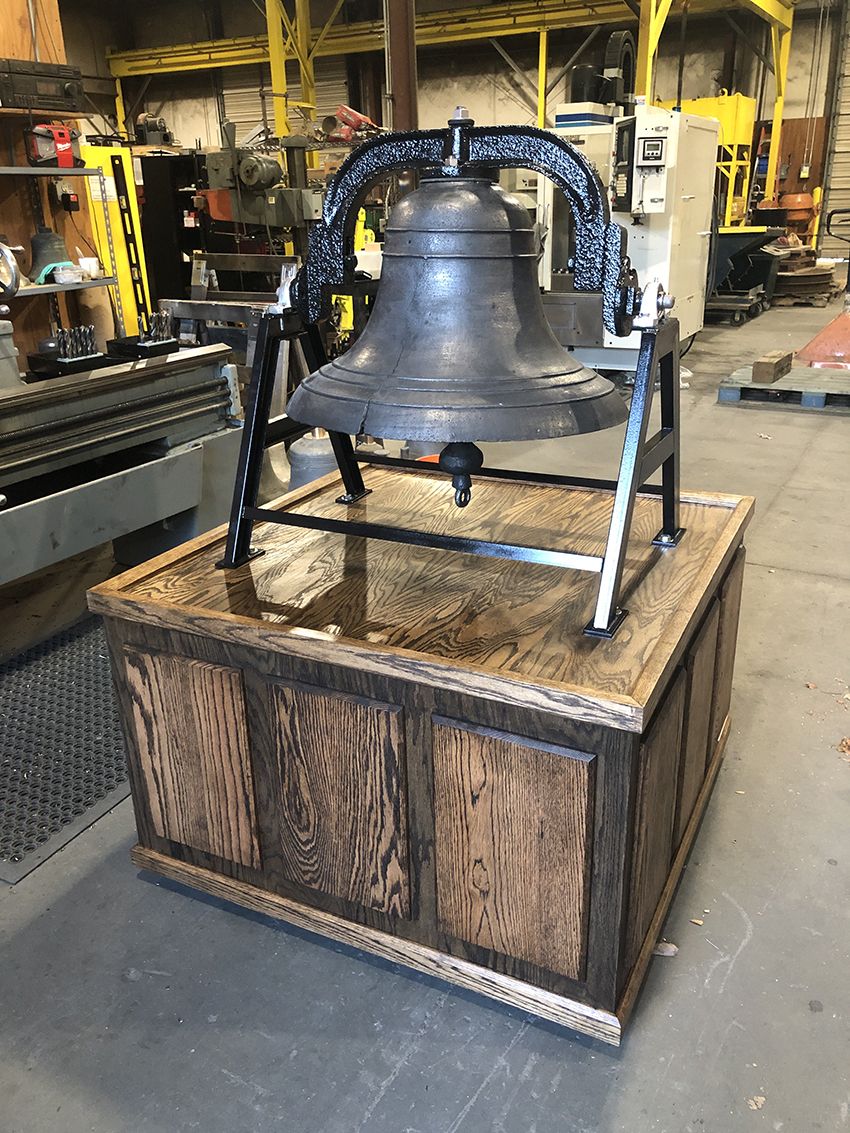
(645, 52)
(120, 109)
(305, 64)
(817, 197)
(542, 68)
(781, 38)
(652, 21)
(277, 58)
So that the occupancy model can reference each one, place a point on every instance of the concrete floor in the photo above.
(130, 1004)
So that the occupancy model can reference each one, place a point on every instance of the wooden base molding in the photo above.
(601, 1024)
(419, 753)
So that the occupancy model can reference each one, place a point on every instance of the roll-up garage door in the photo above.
(248, 92)
(837, 179)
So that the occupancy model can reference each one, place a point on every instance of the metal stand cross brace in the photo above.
(659, 353)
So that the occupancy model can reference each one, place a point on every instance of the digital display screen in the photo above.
(651, 151)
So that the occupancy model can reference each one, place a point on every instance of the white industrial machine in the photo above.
(658, 167)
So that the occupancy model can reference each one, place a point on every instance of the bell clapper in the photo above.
(460, 459)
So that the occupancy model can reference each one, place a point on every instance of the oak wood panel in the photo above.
(636, 976)
(502, 626)
(547, 696)
(699, 665)
(603, 1025)
(656, 803)
(192, 740)
(727, 639)
(342, 800)
(512, 821)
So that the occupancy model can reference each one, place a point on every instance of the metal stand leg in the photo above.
(271, 331)
(351, 476)
(659, 345)
(670, 533)
(238, 549)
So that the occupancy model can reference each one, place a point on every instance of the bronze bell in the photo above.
(457, 347)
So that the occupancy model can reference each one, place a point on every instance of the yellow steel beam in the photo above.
(773, 11)
(432, 29)
(277, 57)
(305, 63)
(779, 15)
(643, 64)
(302, 48)
(542, 68)
(190, 56)
(120, 110)
(292, 35)
(658, 21)
(320, 39)
(653, 16)
(781, 38)
(776, 12)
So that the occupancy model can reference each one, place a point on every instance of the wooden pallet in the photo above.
(821, 299)
(806, 386)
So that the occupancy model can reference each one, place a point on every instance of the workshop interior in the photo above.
(423, 500)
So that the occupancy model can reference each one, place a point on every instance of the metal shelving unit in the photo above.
(51, 288)
(112, 278)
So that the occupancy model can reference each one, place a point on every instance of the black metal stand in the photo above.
(659, 354)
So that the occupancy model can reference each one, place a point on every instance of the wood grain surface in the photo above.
(512, 842)
(655, 809)
(699, 666)
(602, 1025)
(192, 740)
(342, 807)
(495, 620)
(727, 639)
(636, 976)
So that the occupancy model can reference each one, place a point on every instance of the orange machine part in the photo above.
(218, 203)
(830, 349)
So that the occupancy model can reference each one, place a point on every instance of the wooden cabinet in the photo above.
(419, 753)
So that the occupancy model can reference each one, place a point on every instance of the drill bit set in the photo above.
(71, 352)
(77, 342)
(153, 340)
(160, 327)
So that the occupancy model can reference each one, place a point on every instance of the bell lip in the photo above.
(484, 423)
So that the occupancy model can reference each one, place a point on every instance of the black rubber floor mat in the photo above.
(62, 762)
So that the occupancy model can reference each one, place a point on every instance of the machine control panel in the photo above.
(652, 152)
(622, 181)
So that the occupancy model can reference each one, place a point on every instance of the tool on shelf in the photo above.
(77, 342)
(148, 343)
(71, 351)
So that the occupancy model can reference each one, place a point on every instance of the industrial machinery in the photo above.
(736, 116)
(154, 131)
(658, 166)
(458, 349)
(141, 453)
(245, 186)
(743, 266)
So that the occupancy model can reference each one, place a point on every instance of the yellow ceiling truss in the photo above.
(294, 38)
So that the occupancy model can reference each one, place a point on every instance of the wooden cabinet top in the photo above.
(493, 627)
